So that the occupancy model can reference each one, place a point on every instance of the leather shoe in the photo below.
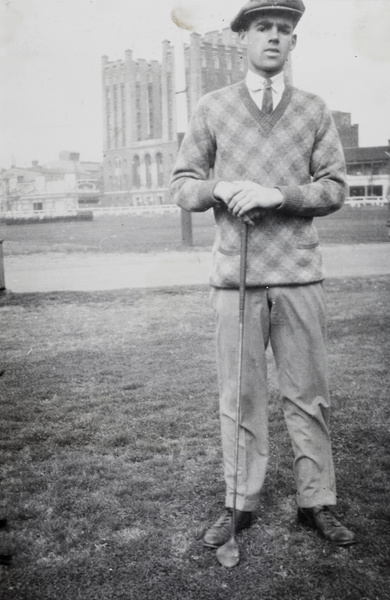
(221, 531)
(321, 519)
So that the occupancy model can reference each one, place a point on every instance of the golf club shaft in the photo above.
(242, 290)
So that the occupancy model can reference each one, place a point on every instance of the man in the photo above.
(277, 163)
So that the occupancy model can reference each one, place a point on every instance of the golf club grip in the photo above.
(243, 260)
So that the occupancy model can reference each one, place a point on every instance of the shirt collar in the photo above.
(255, 83)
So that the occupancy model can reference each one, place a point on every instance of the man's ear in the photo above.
(293, 42)
(242, 36)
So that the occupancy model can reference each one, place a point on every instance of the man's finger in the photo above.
(248, 220)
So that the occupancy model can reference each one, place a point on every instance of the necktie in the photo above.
(267, 105)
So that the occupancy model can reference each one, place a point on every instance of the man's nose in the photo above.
(274, 34)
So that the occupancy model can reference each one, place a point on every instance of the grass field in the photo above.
(111, 464)
(155, 233)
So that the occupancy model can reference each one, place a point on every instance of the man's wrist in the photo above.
(277, 198)
(218, 190)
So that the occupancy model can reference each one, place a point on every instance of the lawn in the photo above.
(111, 464)
(156, 233)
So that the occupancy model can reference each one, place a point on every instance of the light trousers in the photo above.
(293, 320)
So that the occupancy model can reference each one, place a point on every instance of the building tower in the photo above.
(139, 112)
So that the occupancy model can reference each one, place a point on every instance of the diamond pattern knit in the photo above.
(295, 148)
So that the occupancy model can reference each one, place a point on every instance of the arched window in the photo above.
(160, 169)
(136, 173)
(118, 165)
(148, 171)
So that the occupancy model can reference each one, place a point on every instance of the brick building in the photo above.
(139, 112)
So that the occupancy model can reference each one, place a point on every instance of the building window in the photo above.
(136, 174)
(116, 129)
(118, 172)
(187, 58)
(138, 109)
(170, 94)
(374, 190)
(123, 102)
(148, 171)
(160, 169)
(37, 206)
(353, 169)
(356, 191)
(228, 60)
(150, 106)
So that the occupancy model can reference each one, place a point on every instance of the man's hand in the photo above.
(225, 190)
(251, 196)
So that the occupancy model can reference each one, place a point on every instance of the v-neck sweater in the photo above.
(296, 148)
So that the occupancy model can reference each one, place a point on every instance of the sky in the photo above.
(50, 64)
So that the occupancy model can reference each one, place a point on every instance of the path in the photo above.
(88, 272)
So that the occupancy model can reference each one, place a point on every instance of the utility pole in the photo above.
(182, 122)
(388, 193)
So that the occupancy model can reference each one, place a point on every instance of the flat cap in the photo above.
(294, 7)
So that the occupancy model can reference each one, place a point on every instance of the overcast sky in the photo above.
(50, 60)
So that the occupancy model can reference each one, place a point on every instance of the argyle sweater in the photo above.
(296, 149)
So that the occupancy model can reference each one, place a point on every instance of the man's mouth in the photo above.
(272, 51)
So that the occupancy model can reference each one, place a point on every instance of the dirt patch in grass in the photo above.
(111, 463)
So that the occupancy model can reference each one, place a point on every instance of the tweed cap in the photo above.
(294, 7)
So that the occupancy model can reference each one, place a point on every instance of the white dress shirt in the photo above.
(255, 85)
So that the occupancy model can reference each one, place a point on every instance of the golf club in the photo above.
(228, 555)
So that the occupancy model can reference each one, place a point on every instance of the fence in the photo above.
(356, 201)
(98, 211)
(135, 210)
(101, 211)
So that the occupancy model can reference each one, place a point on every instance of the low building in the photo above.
(368, 172)
(57, 187)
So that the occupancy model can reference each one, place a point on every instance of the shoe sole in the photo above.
(212, 546)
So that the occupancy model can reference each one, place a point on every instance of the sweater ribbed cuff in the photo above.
(292, 199)
(206, 198)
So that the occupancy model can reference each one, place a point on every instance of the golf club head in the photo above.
(228, 555)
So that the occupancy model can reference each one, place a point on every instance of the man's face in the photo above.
(268, 39)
